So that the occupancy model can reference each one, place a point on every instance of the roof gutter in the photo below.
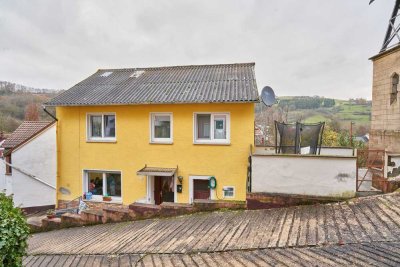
(51, 115)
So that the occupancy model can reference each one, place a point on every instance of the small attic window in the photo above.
(394, 90)
(106, 74)
(136, 73)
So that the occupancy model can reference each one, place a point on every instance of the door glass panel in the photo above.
(220, 127)
(95, 183)
(95, 126)
(109, 125)
(162, 126)
(203, 126)
(167, 188)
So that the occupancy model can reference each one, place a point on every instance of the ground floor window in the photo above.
(229, 191)
(103, 183)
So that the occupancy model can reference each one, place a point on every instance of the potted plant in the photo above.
(51, 214)
(106, 197)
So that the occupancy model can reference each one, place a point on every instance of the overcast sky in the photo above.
(311, 47)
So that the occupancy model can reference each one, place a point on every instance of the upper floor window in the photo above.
(161, 128)
(101, 127)
(395, 83)
(211, 128)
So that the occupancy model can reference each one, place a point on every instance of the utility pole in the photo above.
(393, 30)
(351, 133)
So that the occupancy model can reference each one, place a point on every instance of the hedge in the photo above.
(14, 233)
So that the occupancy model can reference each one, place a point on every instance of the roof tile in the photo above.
(24, 132)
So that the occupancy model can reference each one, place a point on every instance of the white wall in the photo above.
(5, 180)
(2, 176)
(37, 157)
(304, 175)
(336, 151)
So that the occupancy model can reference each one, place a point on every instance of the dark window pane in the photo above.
(203, 126)
(113, 184)
(162, 126)
(95, 126)
(95, 183)
(109, 126)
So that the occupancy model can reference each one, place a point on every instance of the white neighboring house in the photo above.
(28, 169)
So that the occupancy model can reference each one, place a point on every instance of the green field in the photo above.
(344, 112)
(316, 118)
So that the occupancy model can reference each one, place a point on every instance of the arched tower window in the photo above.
(395, 85)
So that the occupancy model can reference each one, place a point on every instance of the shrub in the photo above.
(14, 233)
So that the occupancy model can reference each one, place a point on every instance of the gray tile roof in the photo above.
(234, 83)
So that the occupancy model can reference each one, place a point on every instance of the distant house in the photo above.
(154, 135)
(362, 139)
(29, 163)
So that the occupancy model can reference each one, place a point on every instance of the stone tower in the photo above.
(385, 120)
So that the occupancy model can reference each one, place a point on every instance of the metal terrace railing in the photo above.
(370, 169)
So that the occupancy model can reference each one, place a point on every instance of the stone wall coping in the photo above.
(303, 156)
(209, 201)
(101, 201)
(255, 195)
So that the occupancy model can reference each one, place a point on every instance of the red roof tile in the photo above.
(24, 132)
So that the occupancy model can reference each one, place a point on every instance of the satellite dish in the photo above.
(268, 96)
(64, 191)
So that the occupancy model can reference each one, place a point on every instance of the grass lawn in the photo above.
(316, 118)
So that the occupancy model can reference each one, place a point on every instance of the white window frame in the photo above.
(100, 197)
(234, 191)
(212, 140)
(89, 137)
(155, 140)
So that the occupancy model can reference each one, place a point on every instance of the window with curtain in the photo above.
(212, 128)
(101, 127)
(161, 128)
(203, 126)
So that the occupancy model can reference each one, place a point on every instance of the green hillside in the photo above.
(15, 100)
(315, 109)
(343, 111)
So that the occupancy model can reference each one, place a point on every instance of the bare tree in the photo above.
(32, 112)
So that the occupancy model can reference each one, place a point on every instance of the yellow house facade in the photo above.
(153, 135)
